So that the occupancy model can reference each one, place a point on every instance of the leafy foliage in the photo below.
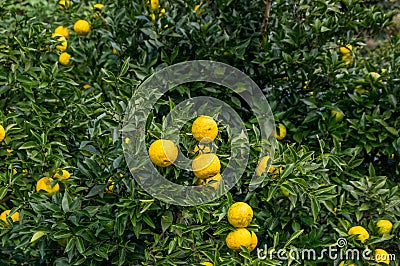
(338, 173)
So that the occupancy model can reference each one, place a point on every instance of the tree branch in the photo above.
(264, 25)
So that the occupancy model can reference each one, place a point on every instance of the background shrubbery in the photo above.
(339, 173)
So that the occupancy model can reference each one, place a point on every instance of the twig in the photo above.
(264, 25)
(5, 199)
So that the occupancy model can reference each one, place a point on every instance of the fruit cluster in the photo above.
(49, 185)
(240, 215)
(383, 227)
(81, 27)
(206, 166)
(45, 183)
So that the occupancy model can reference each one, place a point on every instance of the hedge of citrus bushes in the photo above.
(68, 69)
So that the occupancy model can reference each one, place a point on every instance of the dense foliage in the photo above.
(338, 172)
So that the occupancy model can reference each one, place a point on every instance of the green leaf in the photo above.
(337, 162)
(381, 239)
(36, 236)
(66, 202)
(171, 245)
(293, 237)
(70, 244)
(166, 221)
(272, 192)
(392, 131)
(392, 100)
(3, 192)
(148, 221)
(122, 257)
(380, 121)
(28, 145)
(96, 190)
(324, 29)
(287, 171)
(84, 170)
(79, 245)
(62, 234)
(371, 170)
(315, 208)
(125, 67)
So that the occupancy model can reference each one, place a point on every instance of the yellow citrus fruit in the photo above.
(154, 4)
(163, 152)
(63, 4)
(275, 172)
(114, 51)
(204, 129)
(362, 233)
(81, 27)
(262, 166)
(254, 242)
(196, 9)
(4, 214)
(281, 132)
(385, 226)
(206, 263)
(240, 214)
(206, 165)
(338, 115)
(2, 133)
(87, 86)
(64, 58)
(45, 184)
(213, 181)
(239, 237)
(63, 46)
(346, 49)
(162, 12)
(97, 14)
(62, 174)
(24, 172)
(109, 189)
(98, 6)
(381, 256)
(284, 190)
(63, 31)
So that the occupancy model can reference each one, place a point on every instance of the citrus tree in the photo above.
(330, 73)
